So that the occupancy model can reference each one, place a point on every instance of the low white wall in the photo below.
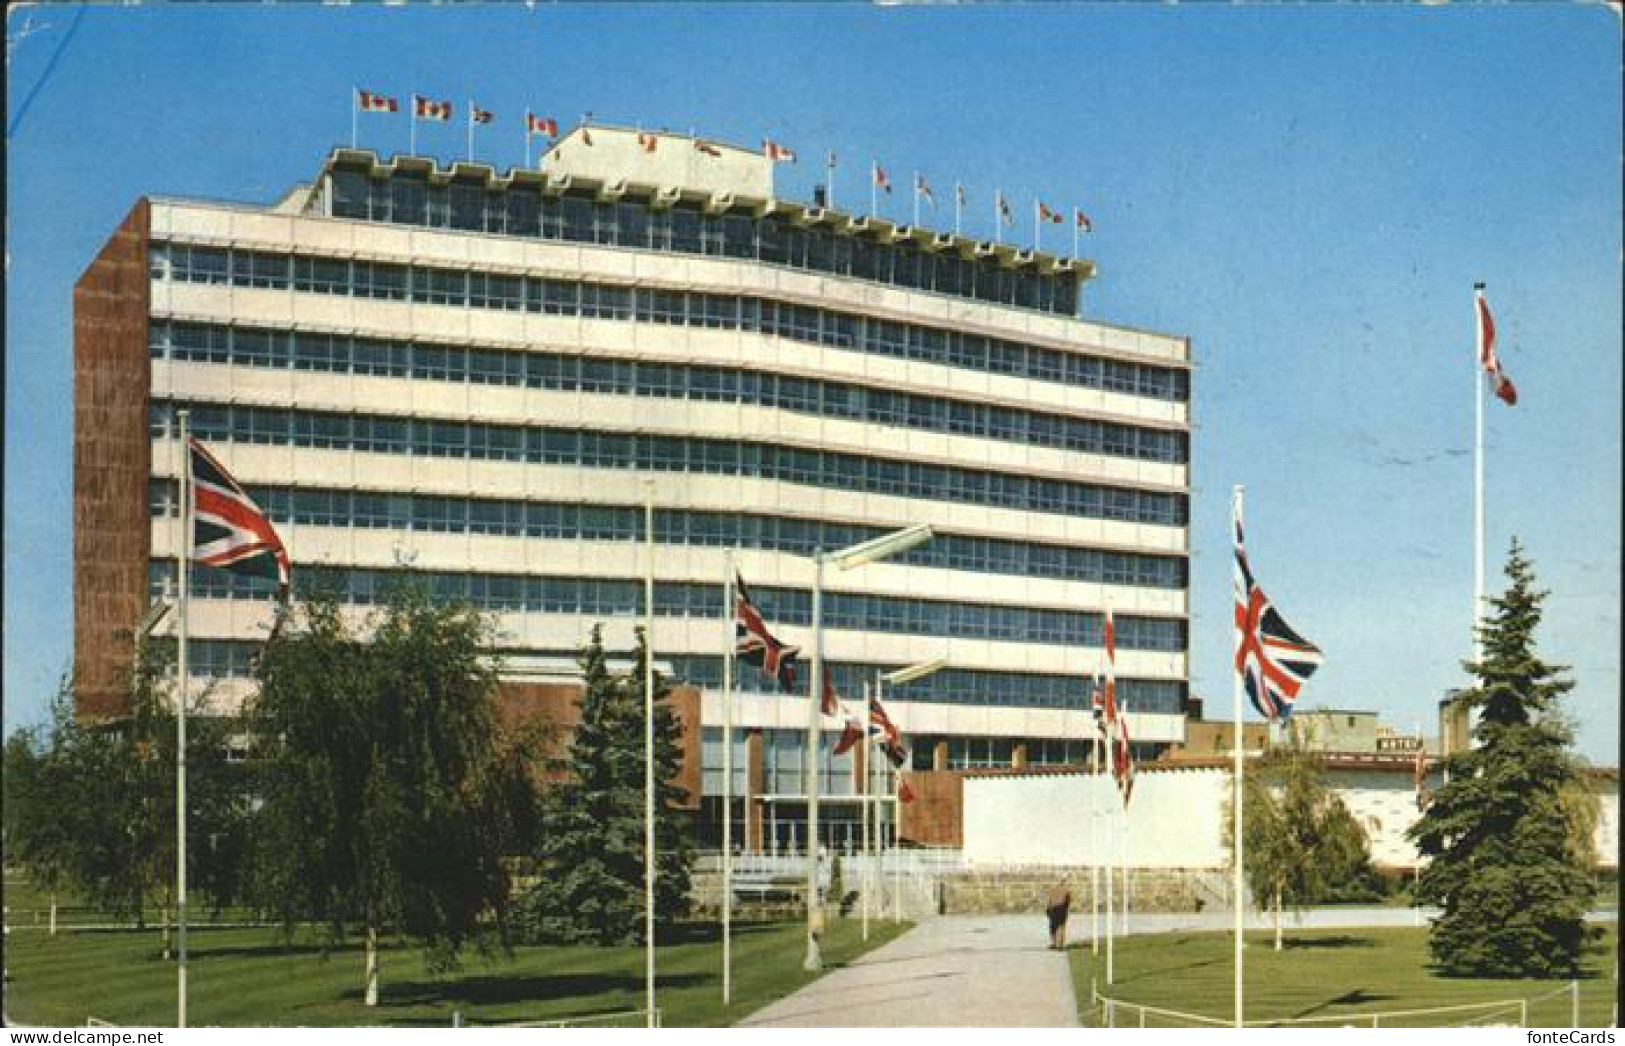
(1176, 819)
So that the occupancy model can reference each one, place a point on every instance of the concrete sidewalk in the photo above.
(952, 972)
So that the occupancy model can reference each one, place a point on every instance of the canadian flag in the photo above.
(776, 152)
(368, 102)
(648, 142)
(882, 182)
(478, 115)
(1047, 215)
(851, 734)
(1505, 391)
(424, 109)
(1082, 220)
(541, 125)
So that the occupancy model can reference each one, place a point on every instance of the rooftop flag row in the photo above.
(425, 109)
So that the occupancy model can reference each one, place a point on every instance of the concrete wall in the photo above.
(1177, 818)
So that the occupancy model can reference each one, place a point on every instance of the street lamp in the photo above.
(894, 678)
(844, 559)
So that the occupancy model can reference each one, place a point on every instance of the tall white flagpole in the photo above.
(1037, 228)
(181, 680)
(959, 205)
(998, 216)
(470, 130)
(874, 188)
(863, 749)
(727, 783)
(916, 198)
(1478, 492)
(649, 748)
(412, 135)
(1094, 846)
(829, 180)
(527, 158)
(355, 111)
(1237, 495)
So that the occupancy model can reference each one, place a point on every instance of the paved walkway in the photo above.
(953, 972)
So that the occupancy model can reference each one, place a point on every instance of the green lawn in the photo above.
(1324, 973)
(246, 977)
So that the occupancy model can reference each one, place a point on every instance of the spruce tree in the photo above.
(590, 862)
(1500, 833)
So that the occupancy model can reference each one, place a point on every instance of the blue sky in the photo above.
(1308, 192)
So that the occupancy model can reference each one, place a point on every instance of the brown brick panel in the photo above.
(111, 463)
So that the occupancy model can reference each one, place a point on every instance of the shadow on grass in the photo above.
(1333, 941)
(1357, 997)
(492, 990)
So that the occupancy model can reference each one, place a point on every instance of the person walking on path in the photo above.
(1059, 903)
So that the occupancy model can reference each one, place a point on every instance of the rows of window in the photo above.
(409, 199)
(953, 686)
(233, 658)
(482, 290)
(617, 450)
(306, 350)
(577, 522)
(623, 597)
(990, 753)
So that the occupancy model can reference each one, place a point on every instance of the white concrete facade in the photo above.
(186, 223)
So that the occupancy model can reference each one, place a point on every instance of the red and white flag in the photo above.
(648, 142)
(921, 188)
(478, 115)
(1047, 215)
(882, 182)
(541, 125)
(1505, 391)
(851, 734)
(1082, 221)
(776, 152)
(368, 102)
(424, 109)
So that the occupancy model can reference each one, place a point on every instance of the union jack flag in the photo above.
(1274, 661)
(755, 645)
(228, 530)
(887, 738)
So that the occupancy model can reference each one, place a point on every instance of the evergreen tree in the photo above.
(1501, 834)
(1302, 844)
(391, 795)
(590, 863)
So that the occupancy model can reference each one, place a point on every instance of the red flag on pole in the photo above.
(1505, 391)
(541, 125)
(368, 102)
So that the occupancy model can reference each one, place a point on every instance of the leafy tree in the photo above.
(1302, 844)
(391, 795)
(590, 861)
(1506, 835)
(92, 806)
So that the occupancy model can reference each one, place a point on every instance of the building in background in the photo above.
(469, 376)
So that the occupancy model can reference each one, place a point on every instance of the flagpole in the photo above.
(1037, 227)
(728, 616)
(412, 135)
(1074, 234)
(829, 180)
(355, 111)
(959, 205)
(1478, 499)
(874, 188)
(471, 131)
(1094, 842)
(998, 216)
(1122, 835)
(863, 748)
(1237, 854)
(813, 961)
(181, 679)
(916, 198)
(527, 166)
(649, 748)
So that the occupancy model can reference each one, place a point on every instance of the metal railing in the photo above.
(1121, 1013)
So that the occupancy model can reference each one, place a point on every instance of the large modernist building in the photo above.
(471, 376)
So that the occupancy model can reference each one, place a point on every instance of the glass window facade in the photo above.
(246, 346)
(598, 449)
(464, 289)
(408, 198)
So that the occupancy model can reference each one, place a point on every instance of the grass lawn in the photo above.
(1325, 973)
(247, 977)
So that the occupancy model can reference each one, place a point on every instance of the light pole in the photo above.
(845, 559)
(895, 678)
